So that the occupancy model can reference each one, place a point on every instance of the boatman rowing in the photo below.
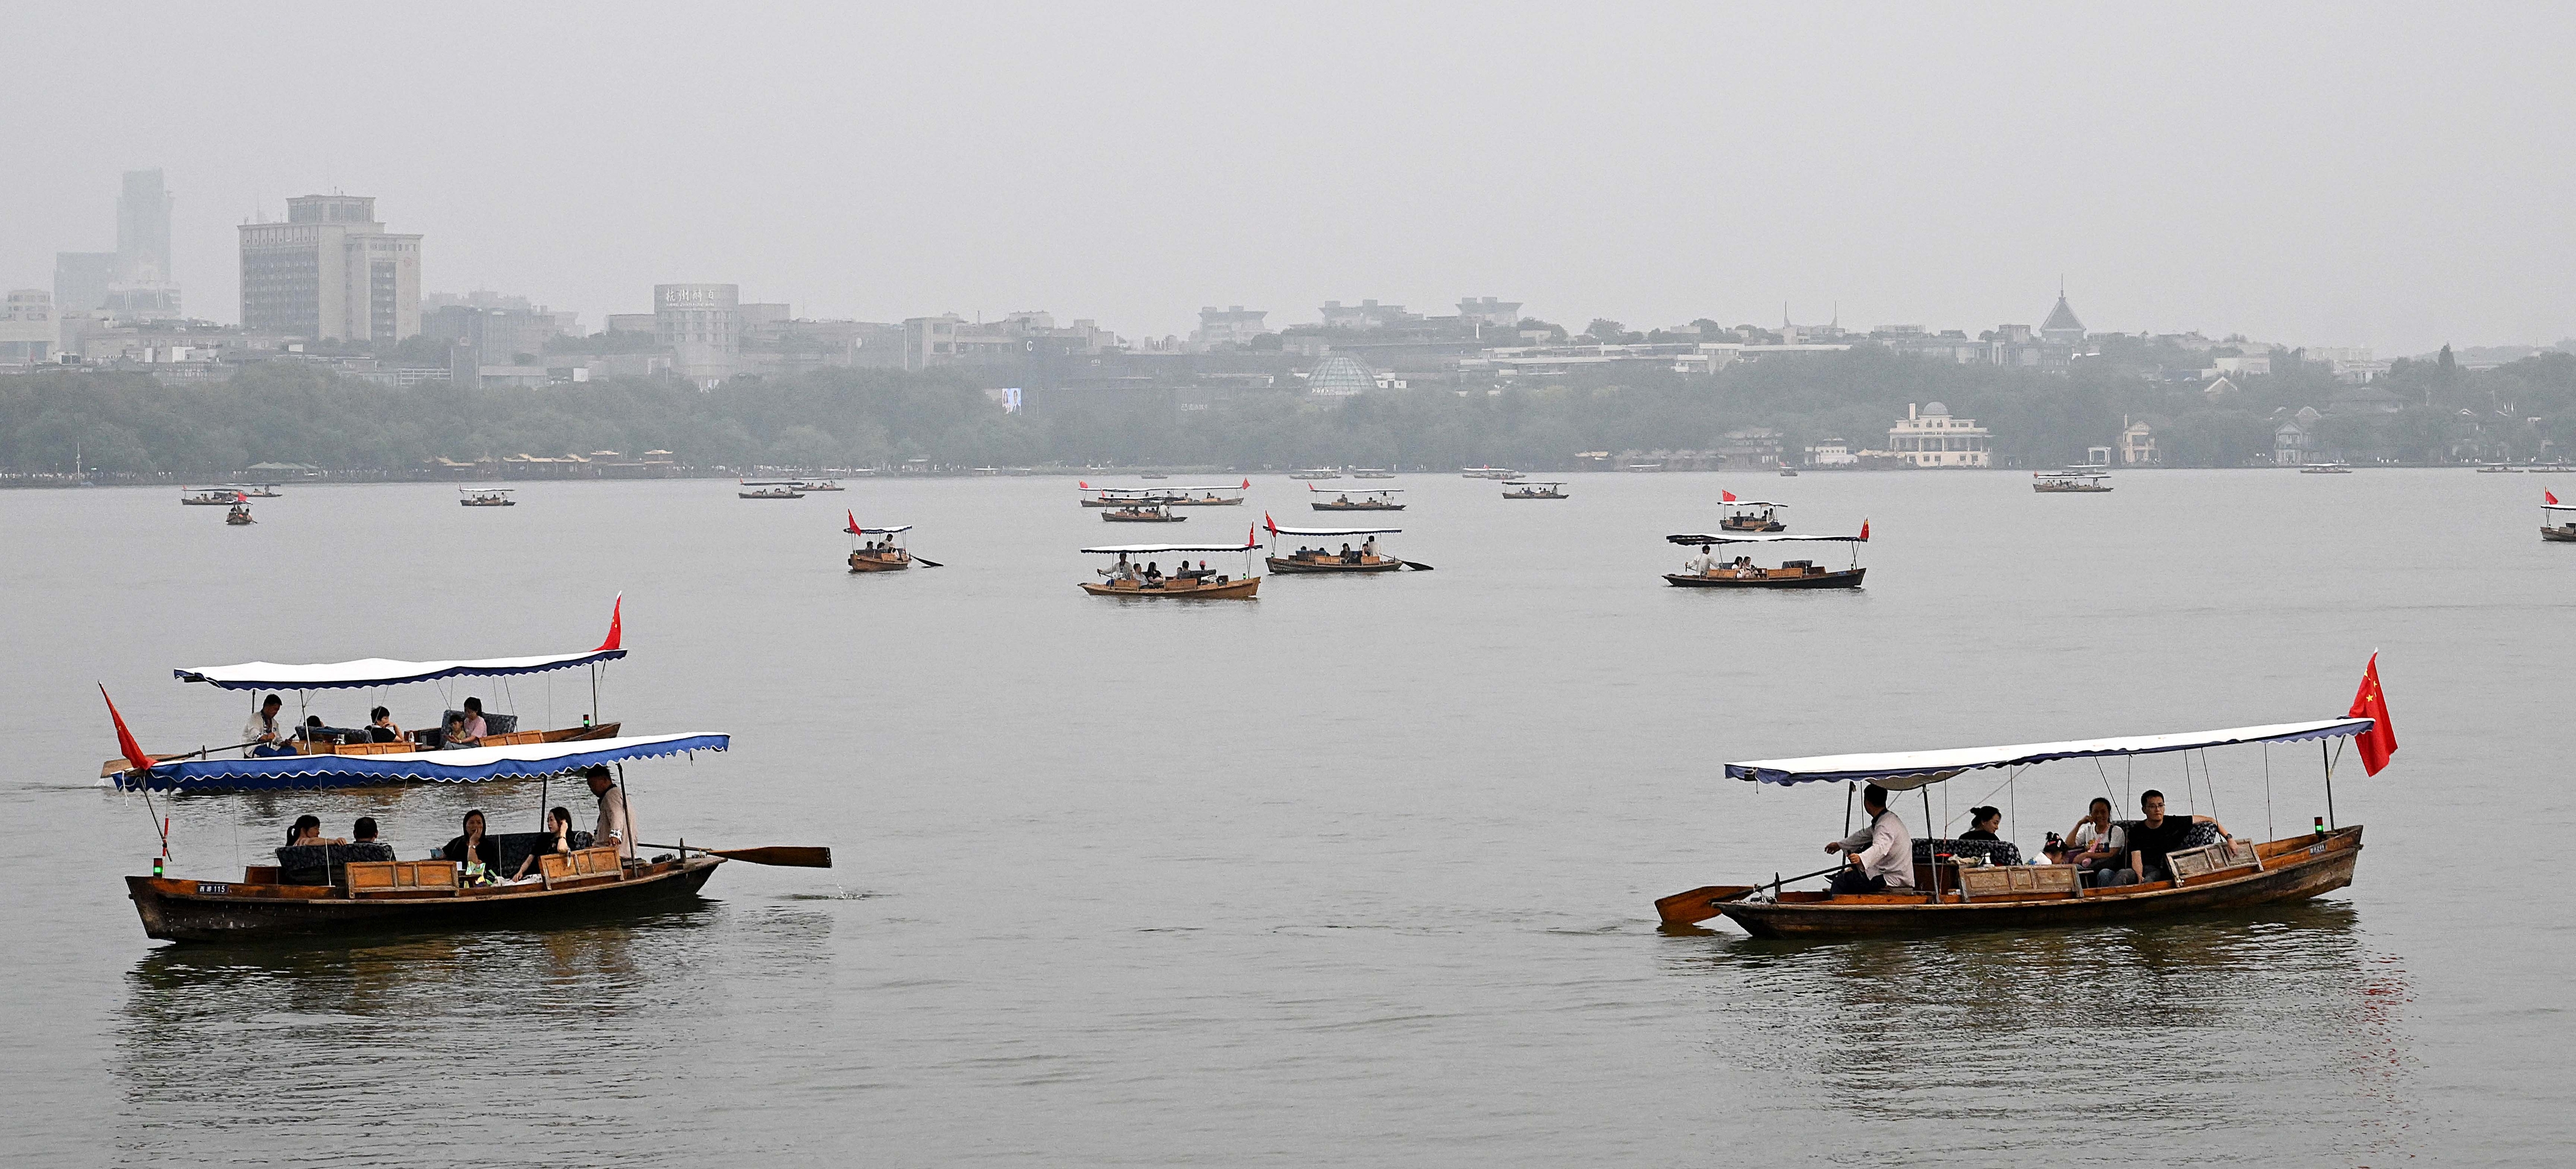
(1882, 852)
(615, 829)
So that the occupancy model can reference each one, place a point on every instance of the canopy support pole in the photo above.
(1935, 866)
(2329, 761)
(1849, 789)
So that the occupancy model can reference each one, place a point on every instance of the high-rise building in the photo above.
(702, 323)
(81, 280)
(134, 282)
(330, 272)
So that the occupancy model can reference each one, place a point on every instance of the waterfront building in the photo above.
(1229, 326)
(2061, 327)
(2294, 439)
(702, 326)
(1489, 312)
(1832, 452)
(330, 272)
(1930, 437)
(2137, 445)
(27, 328)
(1367, 314)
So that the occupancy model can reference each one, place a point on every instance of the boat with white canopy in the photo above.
(211, 496)
(1976, 884)
(486, 497)
(1149, 512)
(304, 738)
(1709, 571)
(2072, 481)
(2557, 520)
(1364, 558)
(1368, 499)
(1750, 515)
(879, 549)
(1534, 489)
(789, 490)
(1316, 473)
(1219, 495)
(258, 490)
(1488, 473)
(1122, 496)
(1133, 575)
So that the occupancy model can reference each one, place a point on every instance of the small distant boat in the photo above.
(2325, 469)
(257, 490)
(1315, 473)
(2551, 469)
(1705, 573)
(2557, 521)
(2066, 482)
(1324, 560)
(1122, 496)
(1788, 472)
(2500, 469)
(212, 496)
(887, 555)
(1220, 495)
(487, 497)
(1380, 499)
(777, 492)
(1153, 475)
(1533, 489)
(1142, 513)
(1372, 473)
(819, 485)
(1488, 473)
(1751, 515)
(239, 515)
(1124, 579)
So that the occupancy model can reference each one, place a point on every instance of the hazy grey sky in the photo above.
(2320, 175)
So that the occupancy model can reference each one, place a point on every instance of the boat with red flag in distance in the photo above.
(302, 735)
(1709, 570)
(1325, 559)
(2166, 863)
(2557, 520)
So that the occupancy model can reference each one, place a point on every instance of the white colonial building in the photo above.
(1929, 437)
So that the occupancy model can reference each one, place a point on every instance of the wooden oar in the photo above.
(927, 562)
(794, 856)
(1698, 905)
(1417, 566)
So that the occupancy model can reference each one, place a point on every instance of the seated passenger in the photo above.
(381, 728)
(1982, 823)
(1882, 852)
(1744, 569)
(472, 733)
(308, 830)
(2159, 834)
(558, 822)
(1153, 573)
(478, 854)
(264, 735)
(1347, 556)
(2054, 852)
(2100, 846)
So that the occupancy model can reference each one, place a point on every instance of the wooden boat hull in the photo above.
(1516, 495)
(1359, 507)
(1116, 518)
(492, 503)
(216, 911)
(2560, 535)
(239, 521)
(2048, 489)
(862, 562)
(763, 495)
(2295, 874)
(1244, 587)
(1290, 564)
(1848, 578)
(1206, 503)
(1752, 526)
(207, 502)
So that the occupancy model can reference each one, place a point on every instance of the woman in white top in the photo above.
(2096, 842)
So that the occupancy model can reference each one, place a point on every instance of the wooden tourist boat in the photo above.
(1744, 574)
(2556, 524)
(1750, 515)
(819, 485)
(1316, 473)
(1122, 496)
(1326, 560)
(1488, 473)
(1370, 499)
(372, 892)
(2325, 469)
(263, 678)
(1533, 489)
(886, 555)
(2500, 469)
(239, 516)
(257, 490)
(1124, 579)
(1142, 513)
(2225, 874)
(1217, 496)
(211, 496)
(772, 489)
(2068, 482)
(487, 497)
(1372, 473)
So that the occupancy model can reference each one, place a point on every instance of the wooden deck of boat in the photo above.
(1370, 564)
(1772, 578)
(2292, 869)
(866, 562)
(1239, 587)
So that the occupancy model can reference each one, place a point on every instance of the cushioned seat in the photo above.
(325, 864)
(2000, 852)
(516, 846)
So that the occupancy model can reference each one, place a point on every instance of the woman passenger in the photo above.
(381, 728)
(2099, 846)
(1982, 823)
(559, 822)
(307, 830)
(479, 854)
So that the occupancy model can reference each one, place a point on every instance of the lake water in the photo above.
(1358, 873)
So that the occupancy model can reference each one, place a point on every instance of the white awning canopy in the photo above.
(1907, 770)
(1159, 549)
(1756, 538)
(1750, 503)
(1353, 490)
(877, 531)
(1330, 533)
(378, 671)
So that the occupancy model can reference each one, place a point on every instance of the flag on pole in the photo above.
(1864, 531)
(2370, 702)
(1726, 497)
(2551, 496)
(1272, 524)
(854, 520)
(1247, 484)
(616, 625)
(1079, 483)
(125, 744)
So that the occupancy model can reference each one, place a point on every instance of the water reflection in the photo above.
(2141, 1029)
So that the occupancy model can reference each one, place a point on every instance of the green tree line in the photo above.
(2427, 411)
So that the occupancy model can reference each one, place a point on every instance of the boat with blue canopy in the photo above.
(1364, 558)
(1968, 884)
(1709, 571)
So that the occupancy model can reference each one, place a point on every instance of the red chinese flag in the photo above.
(854, 521)
(1247, 485)
(2551, 496)
(125, 744)
(1726, 497)
(2370, 702)
(1079, 483)
(1250, 537)
(616, 625)
(1268, 522)
(1864, 531)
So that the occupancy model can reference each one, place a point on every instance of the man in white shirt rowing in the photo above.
(1703, 564)
(1882, 852)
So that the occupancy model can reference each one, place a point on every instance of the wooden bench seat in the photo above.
(386, 876)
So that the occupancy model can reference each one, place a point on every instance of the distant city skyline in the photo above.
(2214, 169)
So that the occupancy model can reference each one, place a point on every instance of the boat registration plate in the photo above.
(2316, 850)
(204, 890)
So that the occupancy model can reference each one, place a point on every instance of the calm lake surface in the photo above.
(1358, 873)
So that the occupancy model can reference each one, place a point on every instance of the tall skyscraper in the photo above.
(330, 272)
(143, 229)
(135, 282)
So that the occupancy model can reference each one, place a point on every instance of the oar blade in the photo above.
(793, 856)
(1697, 905)
(1417, 566)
